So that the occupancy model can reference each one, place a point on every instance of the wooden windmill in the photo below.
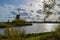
(17, 13)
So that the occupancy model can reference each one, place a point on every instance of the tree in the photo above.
(48, 5)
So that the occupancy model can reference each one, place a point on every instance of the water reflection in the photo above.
(39, 27)
(36, 28)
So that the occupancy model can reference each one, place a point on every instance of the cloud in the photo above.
(32, 6)
(33, 9)
(24, 14)
(14, 13)
(5, 12)
(39, 11)
(10, 7)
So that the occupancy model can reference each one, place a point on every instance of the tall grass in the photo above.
(13, 34)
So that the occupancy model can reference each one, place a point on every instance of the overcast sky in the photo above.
(33, 9)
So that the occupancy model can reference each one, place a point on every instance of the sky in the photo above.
(12, 2)
(33, 10)
(6, 6)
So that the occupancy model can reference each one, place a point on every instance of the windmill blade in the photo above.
(19, 9)
(11, 17)
(14, 13)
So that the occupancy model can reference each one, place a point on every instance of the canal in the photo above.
(36, 28)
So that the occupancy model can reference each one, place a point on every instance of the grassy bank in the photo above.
(13, 34)
(15, 23)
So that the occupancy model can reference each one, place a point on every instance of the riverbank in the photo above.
(45, 22)
(13, 34)
(10, 24)
(36, 36)
(15, 23)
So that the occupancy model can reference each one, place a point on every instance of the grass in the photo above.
(13, 35)
(34, 38)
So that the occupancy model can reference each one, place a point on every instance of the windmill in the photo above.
(17, 13)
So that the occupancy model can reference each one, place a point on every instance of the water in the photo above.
(36, 28)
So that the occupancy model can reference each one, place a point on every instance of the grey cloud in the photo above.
(19, 9)
(58, 0)
(32, 11)
(33, 18)
(39, 11)
(31, 4)
(14, 13)
(28, 17)
(12, 17)
(37, 16)
(24, 14)
(30, 14)
(59, 5)
(58, 13)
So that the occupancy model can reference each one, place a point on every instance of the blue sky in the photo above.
(12, 2)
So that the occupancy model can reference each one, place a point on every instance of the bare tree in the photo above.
(48, 5)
